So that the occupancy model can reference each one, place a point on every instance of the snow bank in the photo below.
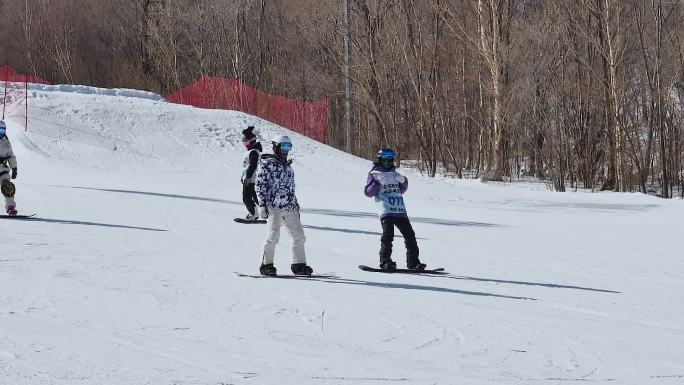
(87, 90)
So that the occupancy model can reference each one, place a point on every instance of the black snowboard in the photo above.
(285, 276)
(438, 271)
(242, 220)
(17, 216)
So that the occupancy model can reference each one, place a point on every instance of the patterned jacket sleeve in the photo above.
(263, 185)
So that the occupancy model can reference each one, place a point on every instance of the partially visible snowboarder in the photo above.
(387, 186)
(249, 167)
(8, 170)
(275, 186)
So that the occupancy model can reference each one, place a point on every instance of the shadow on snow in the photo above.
(551, 285)
(68, 222)
(406, 286)
(349, 231)
(340, 213)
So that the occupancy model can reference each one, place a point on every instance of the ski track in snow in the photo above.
(125, 276)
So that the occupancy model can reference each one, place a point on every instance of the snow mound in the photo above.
(87, 90)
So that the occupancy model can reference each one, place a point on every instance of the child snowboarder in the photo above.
(387, 186)
(275, 186)
(8, 170)
(249, 167)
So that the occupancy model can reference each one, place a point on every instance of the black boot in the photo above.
(301, 269)
(268, 269)
(386, 239)
(412, 252)
(388, 264)
(412, 260)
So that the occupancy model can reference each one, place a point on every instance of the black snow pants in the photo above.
(404, 226)
(249, 197)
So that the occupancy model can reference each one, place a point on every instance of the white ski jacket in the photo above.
(7, 158)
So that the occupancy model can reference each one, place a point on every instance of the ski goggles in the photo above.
(250, 140)
(2, 131)
(285, 147)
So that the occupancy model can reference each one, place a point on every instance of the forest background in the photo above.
(582, 93)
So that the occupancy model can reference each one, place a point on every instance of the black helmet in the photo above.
(248, 136)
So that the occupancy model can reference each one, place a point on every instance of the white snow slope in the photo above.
(126, 275)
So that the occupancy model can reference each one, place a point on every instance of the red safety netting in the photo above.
(307, 118)
(15, 93)
(7, 74)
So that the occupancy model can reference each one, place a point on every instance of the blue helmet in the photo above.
(386, 157)
(386, 153)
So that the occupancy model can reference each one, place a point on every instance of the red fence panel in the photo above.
(15, 92)
(7, 74)
(309, 118)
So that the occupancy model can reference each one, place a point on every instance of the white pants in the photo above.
(290, 219)
(9, 202)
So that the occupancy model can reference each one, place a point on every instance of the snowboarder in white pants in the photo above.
(275, 188)
(290, 219)
(8, 170)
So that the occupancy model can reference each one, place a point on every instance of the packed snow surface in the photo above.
(127, 273)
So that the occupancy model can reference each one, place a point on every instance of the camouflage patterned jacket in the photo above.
(275, 184)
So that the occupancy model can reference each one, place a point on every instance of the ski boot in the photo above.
(388, 264)
(11, 210)
(301, 269)
(416, 265)
(252, 217)
(268, 269)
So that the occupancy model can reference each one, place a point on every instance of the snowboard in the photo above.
(289, 276)
(242, 220)
(18, 216)
(438, 271)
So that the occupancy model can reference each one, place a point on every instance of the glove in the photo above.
(263, 212)
(14, 173)
(400, 178)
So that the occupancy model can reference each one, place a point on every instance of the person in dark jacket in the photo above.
(249, 168)
(387, 186)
